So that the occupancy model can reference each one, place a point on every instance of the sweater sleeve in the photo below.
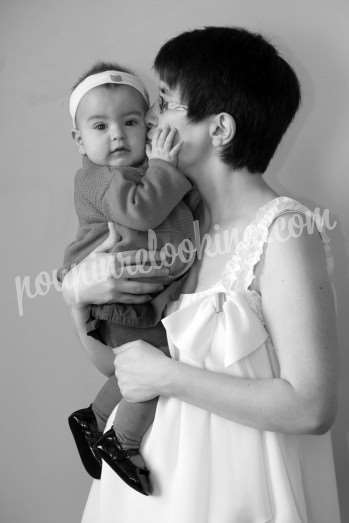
(144, 202)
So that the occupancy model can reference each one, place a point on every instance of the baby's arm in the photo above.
(144, 202)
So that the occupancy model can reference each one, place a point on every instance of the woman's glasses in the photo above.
(164, 105)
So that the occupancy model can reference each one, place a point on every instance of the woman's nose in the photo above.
(151, 119)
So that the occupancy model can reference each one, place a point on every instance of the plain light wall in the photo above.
(45, 46)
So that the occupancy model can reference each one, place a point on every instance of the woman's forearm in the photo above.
(101, 355)
(266, 404)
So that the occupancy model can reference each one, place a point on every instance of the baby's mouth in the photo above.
(119, 150)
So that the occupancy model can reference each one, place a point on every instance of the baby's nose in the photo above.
(116, 132)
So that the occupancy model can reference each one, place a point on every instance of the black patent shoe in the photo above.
(83, 425)
(110, 450)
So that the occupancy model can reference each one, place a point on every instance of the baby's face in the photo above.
(110, 126)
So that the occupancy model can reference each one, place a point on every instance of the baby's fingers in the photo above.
(175, 149)
(156, 135)
(168, 142)
(162, 137)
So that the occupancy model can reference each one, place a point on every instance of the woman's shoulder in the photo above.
(296, 242)
(294, 250)
(276, 205)
(283, 218)
(294, 226)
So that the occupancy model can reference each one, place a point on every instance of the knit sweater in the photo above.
(135, 199)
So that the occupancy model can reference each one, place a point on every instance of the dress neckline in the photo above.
(260, 211)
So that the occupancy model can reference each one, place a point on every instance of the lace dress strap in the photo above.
(240, 270)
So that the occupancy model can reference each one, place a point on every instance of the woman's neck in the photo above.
(229, 195)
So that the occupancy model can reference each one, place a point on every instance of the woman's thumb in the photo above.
(110, 240)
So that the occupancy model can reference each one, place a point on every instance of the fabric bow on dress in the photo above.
(216, 330)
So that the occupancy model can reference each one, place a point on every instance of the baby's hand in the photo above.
(162, 145)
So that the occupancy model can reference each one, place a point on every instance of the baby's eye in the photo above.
(131, 122)
(100, 126)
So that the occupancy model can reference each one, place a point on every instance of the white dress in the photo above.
(206, 469)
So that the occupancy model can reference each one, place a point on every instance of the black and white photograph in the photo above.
(175, 261)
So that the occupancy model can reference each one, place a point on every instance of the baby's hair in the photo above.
(100, 67)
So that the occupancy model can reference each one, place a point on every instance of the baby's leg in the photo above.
(131, 422)
(105, 401)
(114, 335)
(119, 446)
(133, 419)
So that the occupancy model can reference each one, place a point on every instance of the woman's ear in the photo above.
(222, 129)
(76, 135)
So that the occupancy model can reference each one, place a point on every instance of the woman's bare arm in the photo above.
(299, 311)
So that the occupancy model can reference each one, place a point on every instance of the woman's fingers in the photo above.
(140, 272)
(102, 278)
(138, 257)
(132, 257)
(129, 291)
(128, 267)
(135, 287)
(109, 242)
(123, 291)
(134, 298)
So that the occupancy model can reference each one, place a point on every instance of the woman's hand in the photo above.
(141, 369)
(105, 277)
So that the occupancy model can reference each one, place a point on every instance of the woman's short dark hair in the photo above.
(229, 69)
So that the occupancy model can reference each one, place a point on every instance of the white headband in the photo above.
(106, 77)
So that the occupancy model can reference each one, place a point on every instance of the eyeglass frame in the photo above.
(164, 105)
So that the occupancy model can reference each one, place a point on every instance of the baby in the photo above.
(117, 184)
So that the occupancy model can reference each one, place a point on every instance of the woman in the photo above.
(250, 391)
